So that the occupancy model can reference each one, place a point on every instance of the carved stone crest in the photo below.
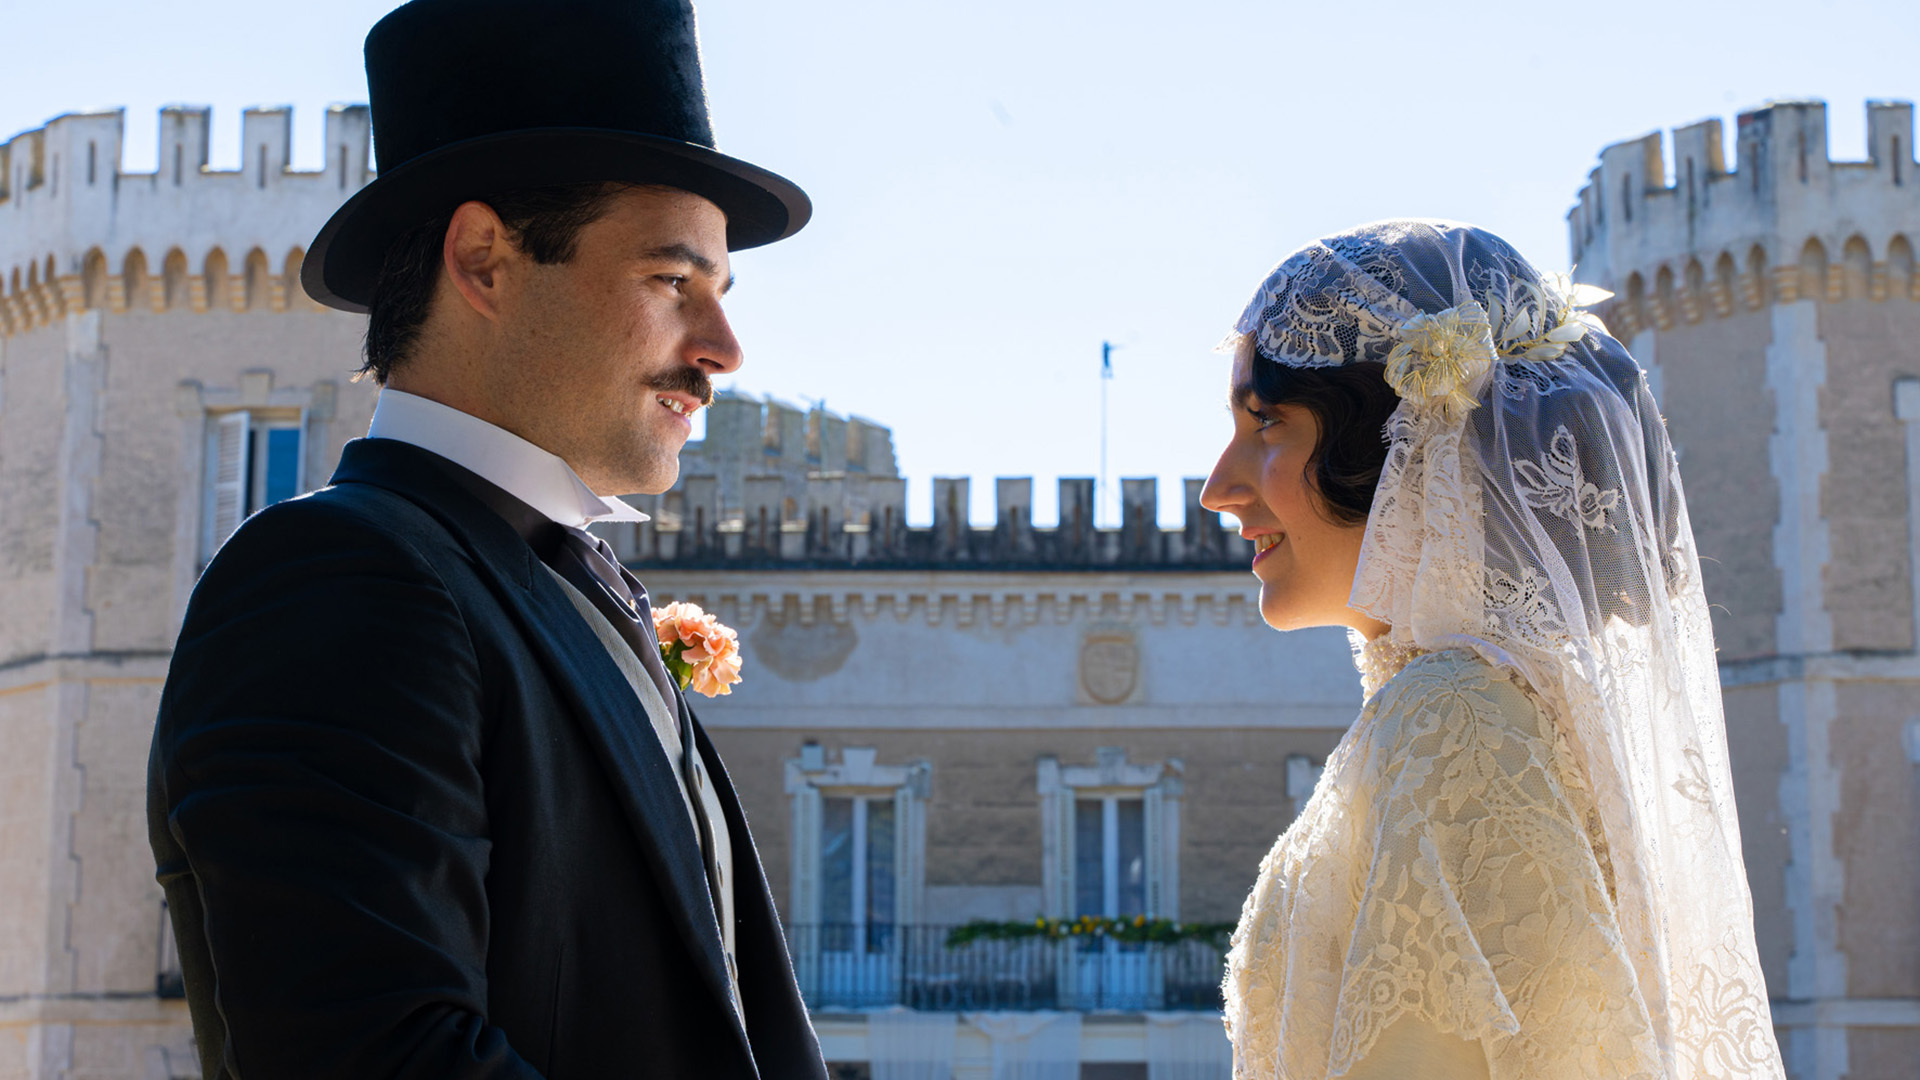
(1109, 666)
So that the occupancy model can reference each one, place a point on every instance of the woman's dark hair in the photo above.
(543, 222)
(1351, 403)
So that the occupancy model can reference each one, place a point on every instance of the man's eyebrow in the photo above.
(686, 254)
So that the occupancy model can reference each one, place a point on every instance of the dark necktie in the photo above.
(589, 565)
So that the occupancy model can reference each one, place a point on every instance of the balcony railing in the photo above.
(849, 967)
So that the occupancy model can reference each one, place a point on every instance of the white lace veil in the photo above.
(1530, 509)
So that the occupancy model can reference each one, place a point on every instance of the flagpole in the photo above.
(1106, 376)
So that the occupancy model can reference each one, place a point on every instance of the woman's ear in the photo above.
(478, 258)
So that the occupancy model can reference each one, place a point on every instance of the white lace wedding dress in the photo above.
(1523, 861)
(1448, 873)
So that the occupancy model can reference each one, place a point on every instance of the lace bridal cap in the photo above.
(1530, 510)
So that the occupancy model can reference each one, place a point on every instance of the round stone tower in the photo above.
(1774, 303)
(161, 374)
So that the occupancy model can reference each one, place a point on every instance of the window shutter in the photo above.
(228, 478)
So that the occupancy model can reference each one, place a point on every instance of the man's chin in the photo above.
(653, 476)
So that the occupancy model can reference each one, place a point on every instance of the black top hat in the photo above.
(476, 97)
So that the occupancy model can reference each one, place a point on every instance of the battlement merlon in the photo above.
(63, 195)
(850, 519)
(1783, 191)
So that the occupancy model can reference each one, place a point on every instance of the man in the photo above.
(423, 799)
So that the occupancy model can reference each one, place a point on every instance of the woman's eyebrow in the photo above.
(1238, 395)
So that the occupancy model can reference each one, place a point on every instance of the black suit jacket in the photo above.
(412, 821)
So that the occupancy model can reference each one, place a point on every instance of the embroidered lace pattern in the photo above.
(1528, 837)
(1443, 869)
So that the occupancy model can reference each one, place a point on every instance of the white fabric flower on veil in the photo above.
(1443, 359)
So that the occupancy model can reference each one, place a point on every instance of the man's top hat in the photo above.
(478, 97)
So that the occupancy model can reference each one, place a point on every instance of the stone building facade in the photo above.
(996, 720)
(1774, 302)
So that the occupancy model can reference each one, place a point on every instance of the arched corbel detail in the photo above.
(1902, 281)
(1815, 272)
(1662, 301)
(1726, 275)
(290, 280)
(1691, 293)
(210, 287)
(1853, 275)
(1629, 314)
(258, 286)
(178, 285)
(1753, 283)
(134, 281)
(40, 291)
(96, 282)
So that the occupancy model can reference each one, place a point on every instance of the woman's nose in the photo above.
(1223, 492)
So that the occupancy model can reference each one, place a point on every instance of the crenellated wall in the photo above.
(1785, 223)
(77, 234)
(855, 519)
(772, 487)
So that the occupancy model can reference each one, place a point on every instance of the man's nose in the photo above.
(716, 349)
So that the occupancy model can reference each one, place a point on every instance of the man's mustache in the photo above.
(685, 380)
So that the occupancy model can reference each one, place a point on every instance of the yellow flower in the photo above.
(1441, 357)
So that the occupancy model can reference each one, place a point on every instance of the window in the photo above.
(1110, 837)
(254, 459)
(856, 871)
(1110, 856)
(859, 869)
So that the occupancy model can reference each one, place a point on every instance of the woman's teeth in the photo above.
(1266, 543)
(675, 406)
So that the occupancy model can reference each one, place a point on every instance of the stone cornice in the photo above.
(964, 598)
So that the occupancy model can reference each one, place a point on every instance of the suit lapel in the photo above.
(610, 714)
(783, 1032)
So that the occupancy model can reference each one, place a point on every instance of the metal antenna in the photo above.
(1106, 376)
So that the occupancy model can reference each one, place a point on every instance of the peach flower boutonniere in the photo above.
(701, 654)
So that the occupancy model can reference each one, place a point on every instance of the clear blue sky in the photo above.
(999, 186)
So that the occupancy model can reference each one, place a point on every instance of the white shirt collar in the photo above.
(542, 480)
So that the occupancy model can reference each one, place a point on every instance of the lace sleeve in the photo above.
(1484, 909)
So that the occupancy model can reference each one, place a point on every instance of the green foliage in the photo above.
(1135, 929)
(682, 671)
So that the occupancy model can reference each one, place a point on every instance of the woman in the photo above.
(1522, 861)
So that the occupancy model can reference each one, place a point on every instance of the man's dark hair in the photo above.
(543, 222)
(1352, 404)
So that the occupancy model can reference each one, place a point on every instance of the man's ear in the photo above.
(479, 258)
